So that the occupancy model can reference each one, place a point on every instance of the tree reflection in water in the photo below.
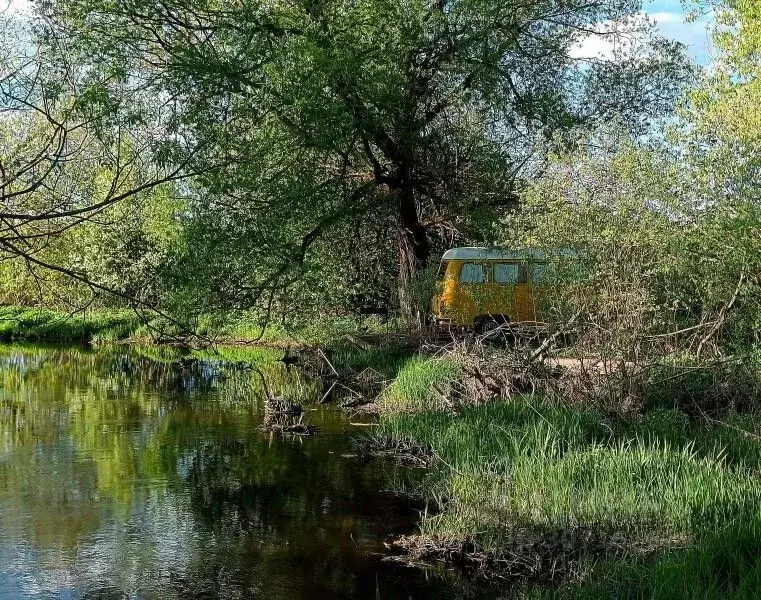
(123, 472)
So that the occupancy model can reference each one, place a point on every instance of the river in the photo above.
(124, 474)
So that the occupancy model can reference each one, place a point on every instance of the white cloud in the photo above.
(672, 25)
(600, 46)
(15, 7)
(610, 40)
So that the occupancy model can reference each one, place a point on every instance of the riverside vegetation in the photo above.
(655, 501)
(219, 175)
(621, 463)
(624, 461)
(559, 490)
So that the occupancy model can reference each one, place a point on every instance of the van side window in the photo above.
(508, 273)
(472, 273)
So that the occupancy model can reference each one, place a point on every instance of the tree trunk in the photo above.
(414, 251)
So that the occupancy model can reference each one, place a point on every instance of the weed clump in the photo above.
(422, 384)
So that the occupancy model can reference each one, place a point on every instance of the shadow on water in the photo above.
(126, 475)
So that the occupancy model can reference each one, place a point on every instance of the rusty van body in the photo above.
(485, 288)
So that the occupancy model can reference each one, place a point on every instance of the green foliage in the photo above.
(723, 109)
(641, 251)
(88, 191)
(422, 288)
(696, 386)
(378, 126)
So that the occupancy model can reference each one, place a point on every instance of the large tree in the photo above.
(415, 115)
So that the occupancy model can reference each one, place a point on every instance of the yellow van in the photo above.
(485, 288)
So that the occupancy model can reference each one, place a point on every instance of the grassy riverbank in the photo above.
(659, 502)
(36, 324)
(44, 325)
(653, 505)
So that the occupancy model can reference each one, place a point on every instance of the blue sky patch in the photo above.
(670, 16)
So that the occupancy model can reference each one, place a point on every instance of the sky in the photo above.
(671, 21)
(669, 16)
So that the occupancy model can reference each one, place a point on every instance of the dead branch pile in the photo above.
(489, 374)
(531, 553)
(404, 452)
(303, 429)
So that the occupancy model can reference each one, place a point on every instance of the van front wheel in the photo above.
(492, 327)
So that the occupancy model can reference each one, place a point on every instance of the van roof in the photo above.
(475, 253)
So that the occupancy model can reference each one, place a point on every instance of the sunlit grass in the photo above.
(38, 324)
(235, 354)
(422, 384)
(528, 464)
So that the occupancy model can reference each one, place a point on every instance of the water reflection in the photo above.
(126, 476)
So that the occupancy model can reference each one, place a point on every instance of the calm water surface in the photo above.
(126, 476)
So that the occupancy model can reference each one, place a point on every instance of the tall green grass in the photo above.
(421, 384)
(531, 465)
(386, 360)
(723, 564)
(39, 324)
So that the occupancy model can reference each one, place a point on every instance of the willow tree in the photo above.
(416, 114)
(70, 157)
